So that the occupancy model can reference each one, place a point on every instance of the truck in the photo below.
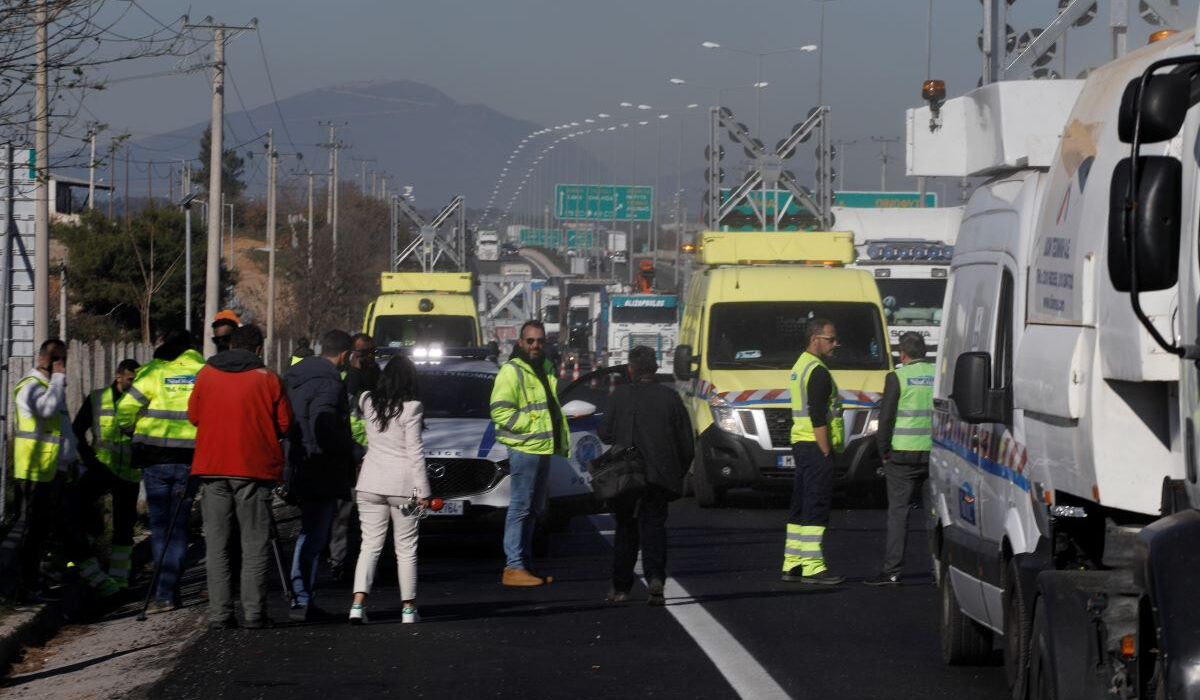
(1064, 502)
(545, 298)
(487, 246)
(643, 319)
(423, 309)
(908, 252)
(618, 247)
(748, 301)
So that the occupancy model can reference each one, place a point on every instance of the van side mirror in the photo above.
(974, 397)
(1163, 106)
(1154, 220)
(683, 362)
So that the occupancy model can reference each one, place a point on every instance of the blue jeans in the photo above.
(166, 484)
(316, 518)
(529, 475)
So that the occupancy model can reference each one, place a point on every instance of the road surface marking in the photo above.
(739, 667)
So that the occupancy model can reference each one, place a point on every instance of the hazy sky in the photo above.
(559, 61)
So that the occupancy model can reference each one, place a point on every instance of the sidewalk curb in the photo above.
(34, 625)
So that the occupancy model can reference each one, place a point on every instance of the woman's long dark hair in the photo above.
(397, 384)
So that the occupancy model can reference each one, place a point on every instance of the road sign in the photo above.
(603, 202)
(883, 200)
(580, 239)
(552, 238)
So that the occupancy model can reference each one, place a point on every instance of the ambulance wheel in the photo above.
(707, 495)
(964, 641)
(1016, 633)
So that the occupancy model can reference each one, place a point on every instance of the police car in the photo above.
(466, 465)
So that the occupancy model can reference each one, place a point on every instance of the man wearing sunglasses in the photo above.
(530, 423)
(817, 432)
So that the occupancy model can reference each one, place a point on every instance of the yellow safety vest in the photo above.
(802, 427)
(521, 410)
(112, 446)
(155, 407)
(36, 440)
(913, 431)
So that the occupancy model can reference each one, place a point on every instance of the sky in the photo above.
(559, 61)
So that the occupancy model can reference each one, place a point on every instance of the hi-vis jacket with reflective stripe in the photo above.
(155, 408)
(914, 413)
(112, 446)
(802, 427)
(521, 410)
(38, 438)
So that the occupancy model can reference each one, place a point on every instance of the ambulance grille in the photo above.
(779, 426)
(455, 478)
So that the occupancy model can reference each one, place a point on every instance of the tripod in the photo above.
(273, 538)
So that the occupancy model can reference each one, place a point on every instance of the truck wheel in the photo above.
(707, 495)
(964, 641)
(1041, 671)
(1016, 633)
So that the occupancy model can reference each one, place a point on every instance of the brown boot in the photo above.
(521, 577)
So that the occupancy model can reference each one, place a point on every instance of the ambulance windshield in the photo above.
(770, 334)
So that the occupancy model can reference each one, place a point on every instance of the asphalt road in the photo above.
(730, 623)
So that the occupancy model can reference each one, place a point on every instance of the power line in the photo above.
(274, 98)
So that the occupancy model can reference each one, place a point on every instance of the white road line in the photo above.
(739, 667)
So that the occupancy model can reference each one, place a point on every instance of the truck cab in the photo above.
(651, 320)
(743, 330)
(424, 309)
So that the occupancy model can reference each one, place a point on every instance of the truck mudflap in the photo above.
(1080, 620)
(1170, 575)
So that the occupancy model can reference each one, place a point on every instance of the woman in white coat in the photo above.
(393, 473)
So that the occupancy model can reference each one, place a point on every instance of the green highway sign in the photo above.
(579, 239)
(552, 238)
(883, 200)
(603, 202)
(775, 200)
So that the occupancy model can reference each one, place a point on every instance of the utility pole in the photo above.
(272, 164)
(883, 159)
(93, 129)
(212, 271)
(125, 214)
(41, 215)
(331, 207)
(112, 176)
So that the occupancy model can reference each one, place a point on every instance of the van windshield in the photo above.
(402, 331)
(770, 334)
(912, 302)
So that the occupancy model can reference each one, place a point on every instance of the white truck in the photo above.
(1063, 485)
(487, 246)
(618, 246)
(908, 252)
(643, 319)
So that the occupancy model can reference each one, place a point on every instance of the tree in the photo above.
(132, 276)
(232, 167)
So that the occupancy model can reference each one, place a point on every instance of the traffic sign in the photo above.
(603, 202)
(552, 238)
(883, 200)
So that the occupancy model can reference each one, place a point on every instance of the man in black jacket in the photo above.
(320, 456)
(651, 417)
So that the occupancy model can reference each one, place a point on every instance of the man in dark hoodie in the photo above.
(241, 413)
(320, 454)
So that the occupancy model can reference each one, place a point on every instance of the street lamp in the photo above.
(759, 55)
(186, 203)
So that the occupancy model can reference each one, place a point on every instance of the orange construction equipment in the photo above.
(643, 283)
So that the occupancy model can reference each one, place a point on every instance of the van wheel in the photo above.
(1041, 671)
(707, 495)
(964, 641)
(1016, 633)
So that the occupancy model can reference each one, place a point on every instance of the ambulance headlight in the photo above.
(724, 415)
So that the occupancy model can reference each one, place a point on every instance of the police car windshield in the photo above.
(770, 334)
(912, 302)
(450, 393)
(402, 331)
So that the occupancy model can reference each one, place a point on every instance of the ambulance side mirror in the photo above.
(1163, 107)
(974, 397)
(683, 362)
(1153, 223)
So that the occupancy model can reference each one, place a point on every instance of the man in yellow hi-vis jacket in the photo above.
(817, 433)
(530, 423)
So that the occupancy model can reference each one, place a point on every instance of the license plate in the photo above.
(785, 461)
(449, 508)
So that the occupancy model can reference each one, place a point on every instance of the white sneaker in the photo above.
(358, 615)
(410, 615)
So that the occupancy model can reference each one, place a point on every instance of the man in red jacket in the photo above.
(241, 412)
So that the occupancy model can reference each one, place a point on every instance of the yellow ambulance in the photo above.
(746, 308)
(422, 310)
